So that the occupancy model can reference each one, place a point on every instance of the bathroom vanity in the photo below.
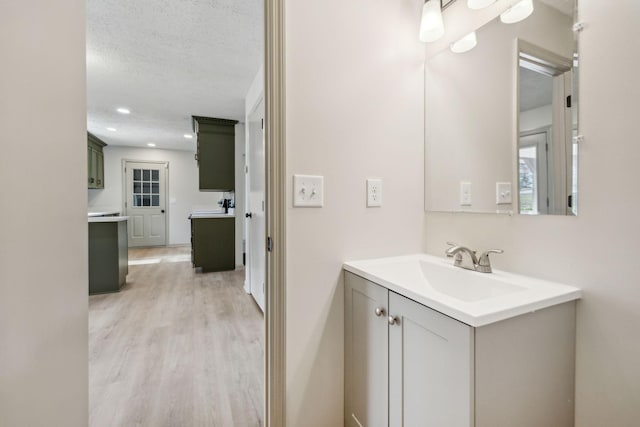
(429, 344)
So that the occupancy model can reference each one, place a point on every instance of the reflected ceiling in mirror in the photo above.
(487, 107)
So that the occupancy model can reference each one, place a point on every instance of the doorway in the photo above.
(145, 202)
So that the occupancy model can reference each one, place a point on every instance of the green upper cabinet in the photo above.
(95, 162)
(215, 153)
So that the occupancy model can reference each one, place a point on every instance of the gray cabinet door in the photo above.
(366, 353)
(430, 367)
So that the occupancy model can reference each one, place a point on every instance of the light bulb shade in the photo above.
(465, 44)
(479, 4)
(517, 12)
(431, 25)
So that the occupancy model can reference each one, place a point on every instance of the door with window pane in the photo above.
(145, 203)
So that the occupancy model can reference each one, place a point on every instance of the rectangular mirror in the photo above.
(501, 117)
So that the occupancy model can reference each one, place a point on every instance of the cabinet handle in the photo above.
(91, 180)
(393, 320)
(379, 311)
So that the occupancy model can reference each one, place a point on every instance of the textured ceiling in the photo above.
(166, 60)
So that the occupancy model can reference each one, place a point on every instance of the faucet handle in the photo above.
(483, 261)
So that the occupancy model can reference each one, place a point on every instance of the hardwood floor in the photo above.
(175, 347)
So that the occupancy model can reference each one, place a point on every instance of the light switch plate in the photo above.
(374, 192)
(503, 193)
(308, 191)
(465, 193)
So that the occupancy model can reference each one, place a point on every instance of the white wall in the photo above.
(184, 196)
(595, 251)
(354, 84)
(536, 118)
(43, 222)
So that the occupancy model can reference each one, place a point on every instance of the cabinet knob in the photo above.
(393, 320)
(379, 311)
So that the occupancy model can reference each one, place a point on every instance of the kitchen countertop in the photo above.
(103, 213)
(108, 218)
(210, 214)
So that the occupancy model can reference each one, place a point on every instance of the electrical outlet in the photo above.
(374, 192)
(308, 191)
(465, 193)
(503, 193)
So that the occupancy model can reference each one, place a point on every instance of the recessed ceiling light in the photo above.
(151, 144)
(186, 135)
(122, 110)
(112, 129)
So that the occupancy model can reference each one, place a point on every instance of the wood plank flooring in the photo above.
(175, 347)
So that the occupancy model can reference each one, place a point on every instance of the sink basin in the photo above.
(456, 282)
(471, 297)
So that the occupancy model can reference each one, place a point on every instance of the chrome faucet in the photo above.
(480, 264)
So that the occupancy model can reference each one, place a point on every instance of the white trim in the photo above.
(166, 191)
(275, 195)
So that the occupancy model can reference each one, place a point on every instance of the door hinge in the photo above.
(546, 147)
(269, 244)
(569, 101)
(262, 123)
(570, 200)
(125, 205)
(547, 202)
(263, 206)
(246, 169)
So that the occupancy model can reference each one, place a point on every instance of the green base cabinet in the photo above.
(215, 153)
(213, 243)
(108, 256)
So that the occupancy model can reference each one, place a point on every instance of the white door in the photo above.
(145, 202)
(255, 209)
(431, 372)
(533, 172)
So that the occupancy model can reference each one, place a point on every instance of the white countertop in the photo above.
(103, 213)
(108, 218)
(474, 298)
(210, 214)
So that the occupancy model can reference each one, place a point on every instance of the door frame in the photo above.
(165, 189)
(275, 220)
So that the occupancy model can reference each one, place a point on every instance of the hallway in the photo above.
(175, 347)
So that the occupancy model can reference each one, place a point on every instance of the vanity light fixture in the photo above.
(479, 4)
(431, 24)
(517, 12)
(112, 129)
(123, 110)
(151, 144)
(188, 136)
(465, 44)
